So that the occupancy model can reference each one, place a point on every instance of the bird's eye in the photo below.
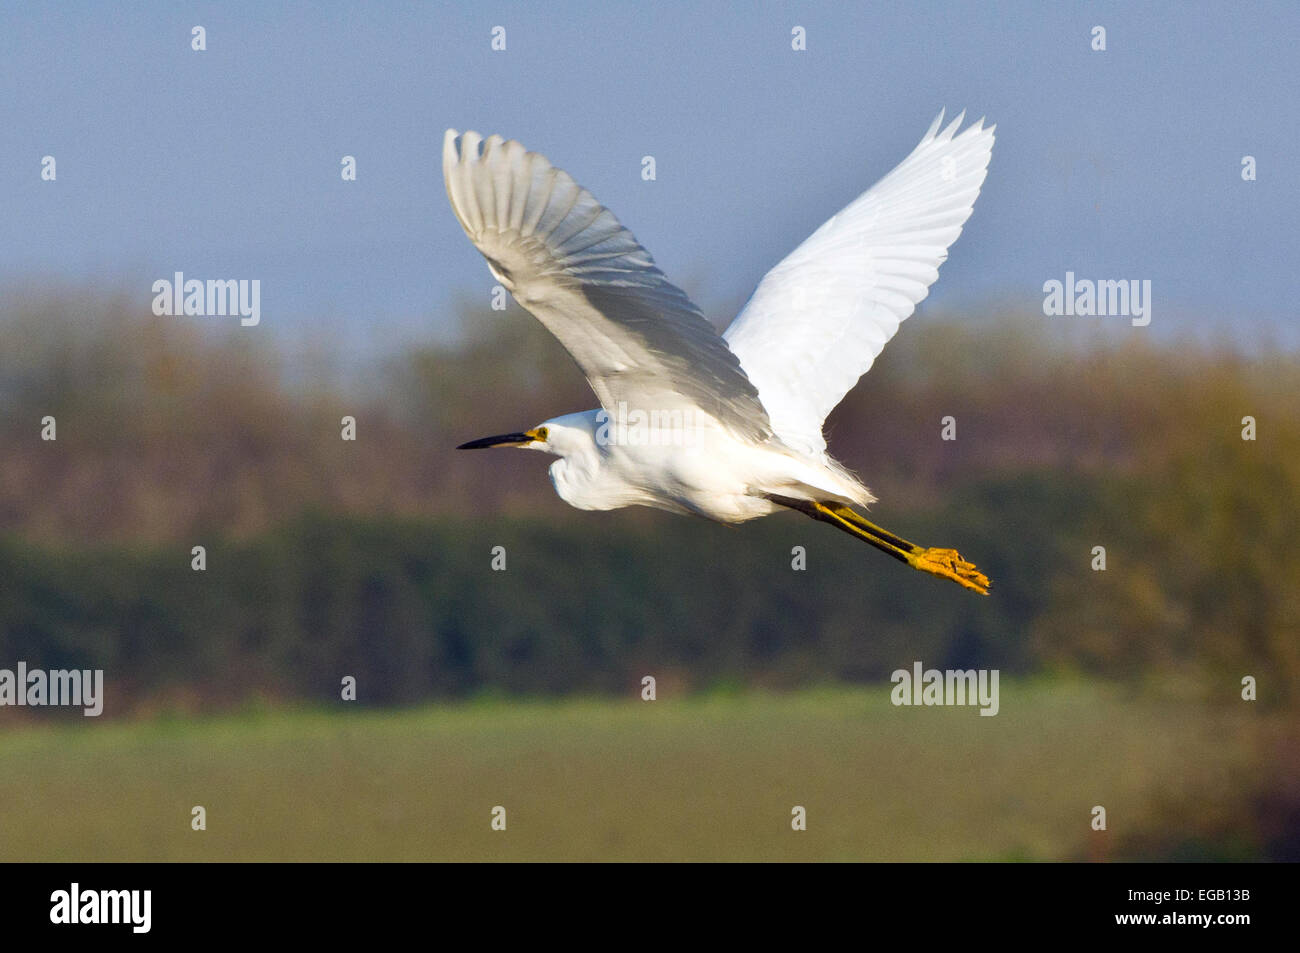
(541, 434)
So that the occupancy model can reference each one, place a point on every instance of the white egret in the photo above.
(728, 426)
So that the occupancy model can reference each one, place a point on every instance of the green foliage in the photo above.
(594, 601)
(372, 558)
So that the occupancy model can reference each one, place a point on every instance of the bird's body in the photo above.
(700, 469)
(725, 427)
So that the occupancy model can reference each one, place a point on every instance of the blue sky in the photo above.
(1116, 164)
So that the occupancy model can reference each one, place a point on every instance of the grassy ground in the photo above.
(703, 778)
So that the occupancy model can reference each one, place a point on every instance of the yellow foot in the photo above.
(947, 563)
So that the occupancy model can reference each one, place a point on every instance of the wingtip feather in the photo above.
(951, 128)
(934, 126)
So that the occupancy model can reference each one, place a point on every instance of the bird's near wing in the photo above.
(637, 337)
(818, 319)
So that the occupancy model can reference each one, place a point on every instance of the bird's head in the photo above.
(563, 436)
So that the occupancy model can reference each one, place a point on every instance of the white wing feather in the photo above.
(636, 336)
(817, 321)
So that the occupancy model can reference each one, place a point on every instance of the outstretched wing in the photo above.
(818, 319)
(636, 336)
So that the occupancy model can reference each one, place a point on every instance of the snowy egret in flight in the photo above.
(727, 426)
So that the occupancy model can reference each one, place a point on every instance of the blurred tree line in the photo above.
(373, 558)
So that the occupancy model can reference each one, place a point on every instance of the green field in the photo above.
(703, 778)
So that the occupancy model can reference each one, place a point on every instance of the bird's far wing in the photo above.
(637, 337)
(818, 319)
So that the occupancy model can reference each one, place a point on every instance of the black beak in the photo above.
(504, 440)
